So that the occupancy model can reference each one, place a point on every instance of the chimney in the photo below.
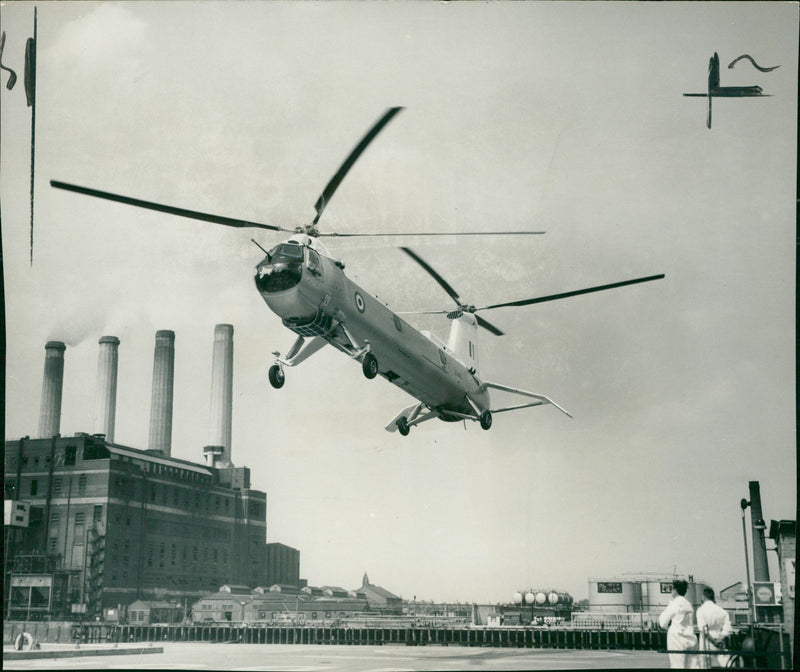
(52, 384)
(760, 565)
(219, 434)
(106, 391)
(161, 400)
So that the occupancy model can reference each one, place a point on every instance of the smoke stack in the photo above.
(106, 392)
(52, 384)
(760, 564)
(219, 434)
(161, 399)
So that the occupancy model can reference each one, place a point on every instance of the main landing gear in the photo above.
(369, 365)
(402, 426)
(486, 419)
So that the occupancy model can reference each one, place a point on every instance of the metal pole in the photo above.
(744, 504)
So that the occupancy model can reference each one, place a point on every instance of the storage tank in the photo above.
(541, 598)
(657, 593)
(614, 595)
(530, 598)
(517, 598)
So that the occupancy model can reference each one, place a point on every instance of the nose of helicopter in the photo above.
(279, 286)
(277, 277)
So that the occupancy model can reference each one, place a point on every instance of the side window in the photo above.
(69, 455)
(314, 264)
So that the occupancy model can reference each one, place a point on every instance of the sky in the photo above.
(566, 117)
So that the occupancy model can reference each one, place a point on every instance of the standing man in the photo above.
(678, 620)
(714, 625)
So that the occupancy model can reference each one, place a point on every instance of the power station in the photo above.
(108, 524)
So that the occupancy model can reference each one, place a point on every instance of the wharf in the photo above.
(502, 636)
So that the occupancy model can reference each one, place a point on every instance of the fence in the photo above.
(608, 621)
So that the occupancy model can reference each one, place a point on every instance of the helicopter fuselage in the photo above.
(314, 297)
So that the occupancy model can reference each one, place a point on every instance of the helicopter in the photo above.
(307, 287)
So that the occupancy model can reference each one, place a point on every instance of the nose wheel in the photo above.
(276, 376)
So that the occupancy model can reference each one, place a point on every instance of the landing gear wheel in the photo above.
(486, 419)
(402, 426)
(276, 376)
(369, 365)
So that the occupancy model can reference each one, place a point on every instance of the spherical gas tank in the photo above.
(517, 598)
(553, 598)
(541, 598)
(530, 598)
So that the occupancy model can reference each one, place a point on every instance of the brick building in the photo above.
(109, 525)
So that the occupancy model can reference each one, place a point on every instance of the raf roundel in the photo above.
(360, 302)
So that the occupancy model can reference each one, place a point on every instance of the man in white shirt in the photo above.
(714, 625)
(678, 619)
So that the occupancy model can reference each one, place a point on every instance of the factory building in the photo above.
(93, 526)
(288, 603)
(275, 605)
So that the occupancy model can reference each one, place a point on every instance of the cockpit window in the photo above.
(313, 263)
(286, 252)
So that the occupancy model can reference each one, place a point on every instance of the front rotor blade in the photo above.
(553, 297)
(180, 212)
(444, 284)
(329, 190)
(428, 233)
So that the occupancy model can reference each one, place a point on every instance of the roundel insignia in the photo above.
(360, 302)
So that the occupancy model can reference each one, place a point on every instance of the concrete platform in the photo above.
(56, 651)
(316, 658)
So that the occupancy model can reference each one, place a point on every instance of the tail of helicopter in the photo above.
(462, 345)
(463, 341)
(476, 405)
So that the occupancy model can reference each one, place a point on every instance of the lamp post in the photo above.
(744, 504)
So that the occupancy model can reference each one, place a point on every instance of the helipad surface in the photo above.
(310, 658)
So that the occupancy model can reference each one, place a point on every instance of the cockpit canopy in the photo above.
(281, 269)
(286, 252)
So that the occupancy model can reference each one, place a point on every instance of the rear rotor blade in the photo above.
(488, 326)
(330, 189)
(180, 212)
(483, 323)
(444, 284)
(564, 295)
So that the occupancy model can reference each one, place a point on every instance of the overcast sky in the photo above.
(564, 117)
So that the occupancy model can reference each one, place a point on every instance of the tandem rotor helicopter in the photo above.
(308, 289)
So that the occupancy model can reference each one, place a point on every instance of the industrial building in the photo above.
(93, 526)
(282, 603)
